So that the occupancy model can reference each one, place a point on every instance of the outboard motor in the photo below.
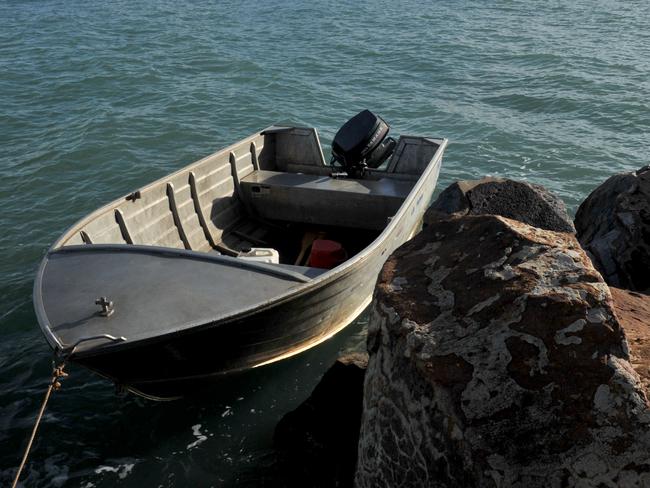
(362, 143)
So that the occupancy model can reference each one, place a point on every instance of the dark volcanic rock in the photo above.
(317, 442)
(496, 359)
(528, 203)
(613, 225)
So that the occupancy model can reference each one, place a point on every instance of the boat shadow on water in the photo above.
(221, 433)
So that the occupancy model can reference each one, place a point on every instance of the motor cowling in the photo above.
(362, 142)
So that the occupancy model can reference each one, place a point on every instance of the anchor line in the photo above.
(58, 373)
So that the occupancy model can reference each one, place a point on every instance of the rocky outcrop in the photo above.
(613, 225)
(528, 203)
(316, 444)
(496, 359)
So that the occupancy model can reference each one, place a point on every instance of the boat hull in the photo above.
(181, 315)
(172, 365)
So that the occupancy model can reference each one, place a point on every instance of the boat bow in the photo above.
(98, 296)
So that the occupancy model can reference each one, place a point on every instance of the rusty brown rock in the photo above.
(613, 225)
(633, 312)
(496, 359)
(519, 200)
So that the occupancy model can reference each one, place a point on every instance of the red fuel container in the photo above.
(326, 254)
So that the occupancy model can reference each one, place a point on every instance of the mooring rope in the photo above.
(57, 374)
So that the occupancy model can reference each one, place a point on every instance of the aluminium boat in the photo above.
(211, 269)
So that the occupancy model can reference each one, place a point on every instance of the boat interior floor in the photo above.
(292, 240)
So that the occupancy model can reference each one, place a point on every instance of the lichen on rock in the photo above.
(498, 360)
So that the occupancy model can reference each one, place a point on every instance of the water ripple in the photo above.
(97, 99)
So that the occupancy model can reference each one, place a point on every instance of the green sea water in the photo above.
(98, 98)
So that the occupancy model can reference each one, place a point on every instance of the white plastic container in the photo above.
(261, 255)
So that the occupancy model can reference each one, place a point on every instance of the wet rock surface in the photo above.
(497, 359)
(316, 444)
(528, 203)
(613, 225)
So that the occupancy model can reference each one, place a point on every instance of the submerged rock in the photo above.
(317, 442)
(526, 202)
(496, 359)
(613, 225)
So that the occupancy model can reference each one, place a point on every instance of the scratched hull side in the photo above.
(160, 367)
(166, 366)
